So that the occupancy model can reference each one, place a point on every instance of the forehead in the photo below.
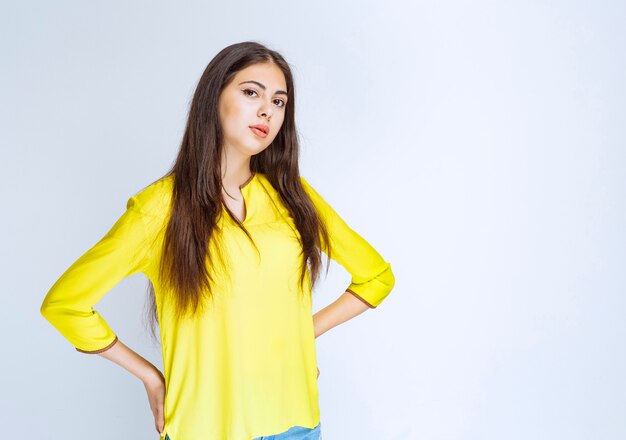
(267, 74)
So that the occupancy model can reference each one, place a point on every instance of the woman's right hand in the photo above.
(155, 387)
(151, 376)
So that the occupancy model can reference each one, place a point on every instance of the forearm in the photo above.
(347, 306)
(130, 360)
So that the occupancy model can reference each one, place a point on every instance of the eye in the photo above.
(282, 101)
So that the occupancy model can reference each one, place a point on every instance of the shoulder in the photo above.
(305, 184)
(309, 189)
(155, 198)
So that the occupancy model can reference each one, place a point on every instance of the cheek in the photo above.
(279, 127)
(233, 109)
(233, 118)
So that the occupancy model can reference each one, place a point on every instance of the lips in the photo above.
(260, 129)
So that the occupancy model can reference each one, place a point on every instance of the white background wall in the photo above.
(479, 146)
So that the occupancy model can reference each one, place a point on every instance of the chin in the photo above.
(260, 149)
(254, 149)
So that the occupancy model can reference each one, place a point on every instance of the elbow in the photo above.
(51, 308)
(51, 314)
(376, 290)
(55, 303)
(391, 279)
(44, 309)
(386, 280)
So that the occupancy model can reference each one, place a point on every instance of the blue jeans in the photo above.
(296, 433)
(293, 433)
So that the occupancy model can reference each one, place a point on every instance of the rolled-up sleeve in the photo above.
(372, 277)
(69, 304)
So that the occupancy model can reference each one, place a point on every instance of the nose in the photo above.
(265, 111)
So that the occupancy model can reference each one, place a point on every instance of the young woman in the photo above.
(230, 240)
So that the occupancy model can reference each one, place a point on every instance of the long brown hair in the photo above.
(197, 201)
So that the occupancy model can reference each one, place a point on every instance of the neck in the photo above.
(235, 171)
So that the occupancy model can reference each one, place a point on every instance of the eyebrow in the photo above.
(278, 92)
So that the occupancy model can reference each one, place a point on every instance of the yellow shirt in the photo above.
(247, 367)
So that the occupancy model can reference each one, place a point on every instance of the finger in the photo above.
(160, 419)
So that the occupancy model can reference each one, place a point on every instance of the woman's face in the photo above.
(257, 95)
